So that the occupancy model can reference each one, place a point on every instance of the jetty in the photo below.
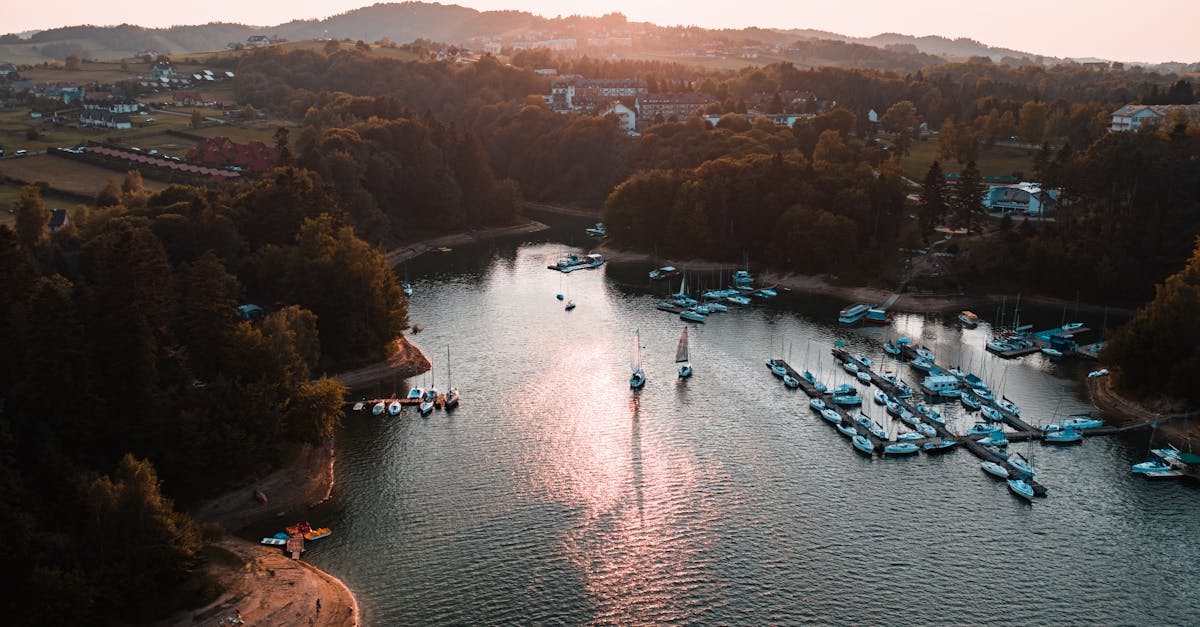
(369, 404)
(847, 418)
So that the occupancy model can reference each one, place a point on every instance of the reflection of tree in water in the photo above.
(635, 454)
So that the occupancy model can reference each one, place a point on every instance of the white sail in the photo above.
(683, 286)
(635, 357)
(681, 353)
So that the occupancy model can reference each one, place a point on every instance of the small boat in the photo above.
(682, 355)
(407, 287)
(1082, 422)
(717, 307)
(452, 396)
(846, 388)
(570, 305)
(1052, 353)
(905, 436)
(1168, 453)
(922, 364)
(862, 360)
(850, 367)
(996, 439)
(847, 429)
(738, 300)
(938, 446)
(415, 394)
(934, 416)
(777, 368)
(379, 408)
(831, 416)
(968, 319)
(878, 315)
(1021, 488)
(1068, 435)
(702, 310)
(991, 413)
(558, 296)
(1022, 465)
(926, 430)
(428, 401)
(881, 398)
(1163, 474)
(942, 385)
(901, 448)
(691, 315)
(638, 378)
(864, 378)
(891, 349)
(817, 404)
(664, 272)
(853, 314)
(808, 376)
(767, 292)
(596, 231)
(847, 399)
(983, 393)
(926, 354)
(994, 469)
(1009, 406)
(908, 418)
(791, 382)
(969, 401)
(983, 428)
(395, 408)
(893, 407)
(862, 444)
(1153, 465)
(1071, 327)
(274, 541)
(743, 278)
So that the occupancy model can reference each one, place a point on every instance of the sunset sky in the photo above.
(1160, 31)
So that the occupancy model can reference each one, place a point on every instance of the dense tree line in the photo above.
(127, 381)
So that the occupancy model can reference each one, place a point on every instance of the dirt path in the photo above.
(403, 253)
(407, 362)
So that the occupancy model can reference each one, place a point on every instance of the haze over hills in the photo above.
(453, 24)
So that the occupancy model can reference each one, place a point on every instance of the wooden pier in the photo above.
(847, 418)
(369, 404)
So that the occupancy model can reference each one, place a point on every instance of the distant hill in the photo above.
(451, 24)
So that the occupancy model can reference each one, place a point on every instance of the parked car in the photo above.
(21, 153)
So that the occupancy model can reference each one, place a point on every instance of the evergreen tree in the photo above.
(968, 195)
(32, 217)
(932, 206)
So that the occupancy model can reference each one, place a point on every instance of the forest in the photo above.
(129, 384)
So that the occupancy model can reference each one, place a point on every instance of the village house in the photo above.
(655, 108)
(162, 71)
(105, 119)
(258, 40)
(1023, 197)
(59, 220)
(1133, 116)
(105, 101)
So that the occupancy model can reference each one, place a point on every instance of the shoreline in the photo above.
(412, 250)
(408, 361)
(909, 302)
(1128, 413)
(269, 587)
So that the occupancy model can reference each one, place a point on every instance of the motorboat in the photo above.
(596, 231)
(926, 430)
(893, 407)
(791, 382)
(991, 413)
(817, 404)
(864, 378)
(1008, 406)
(850, 367)
(691, 315)
(901, 448)
(878, 315)
(777, 368)
(862, 444)
(407, 287)
(1068, 435)
(845, 388)
(862, 360)
(922, 364)
(742, 278)
(925, 353)
(379, 408)
(847, 399)
(909, 435)
(664, 272)
(1154, 465)
(881, 398)
(738, 300)
(1081, 422)
(831, 415)
(942, 385)
(1071, 327)
(983, 428)
(853, 314)
(1021, 488)
(891, 349)
(994, 469)
(394, 408)
(968, 319)
(847, 429)
(982, 393)
(969, 401)
(703, 310)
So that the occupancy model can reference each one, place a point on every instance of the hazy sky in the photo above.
(1161, 30)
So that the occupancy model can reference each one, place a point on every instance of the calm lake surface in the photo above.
(557, 495)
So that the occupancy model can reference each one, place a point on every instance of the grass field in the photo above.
(66, 174)
(995, 161)
(10, 192)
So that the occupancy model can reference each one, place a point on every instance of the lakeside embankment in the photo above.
(813, 284)
(1173, 425)
(267, 587)
(408, 361)
(410, 250)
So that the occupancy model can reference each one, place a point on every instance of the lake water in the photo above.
(557, 495)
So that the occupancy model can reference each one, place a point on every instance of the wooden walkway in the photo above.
(847, 418)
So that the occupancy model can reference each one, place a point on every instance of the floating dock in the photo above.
(369, 404)
(847, 418)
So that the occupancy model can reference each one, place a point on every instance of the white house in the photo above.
(257, 40)
(627, 116)
(1024, 196)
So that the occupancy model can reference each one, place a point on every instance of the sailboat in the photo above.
(559, 295)
(638, 379)
(452, 395)
(429, 398)
(379, 408)
(682, 356)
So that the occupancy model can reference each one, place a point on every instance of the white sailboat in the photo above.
(638, 378)
(452, 394)
(683, 357)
